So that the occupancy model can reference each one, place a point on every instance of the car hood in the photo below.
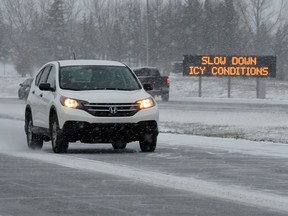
(106, 96)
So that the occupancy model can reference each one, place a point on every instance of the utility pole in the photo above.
(147, 32)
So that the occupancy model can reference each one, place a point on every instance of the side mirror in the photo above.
(45, 87)
(147, 87)
(21, 84)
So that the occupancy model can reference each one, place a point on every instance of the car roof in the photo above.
(64, 63)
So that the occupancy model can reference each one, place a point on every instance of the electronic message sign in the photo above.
(235, 66)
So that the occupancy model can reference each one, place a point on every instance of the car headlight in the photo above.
(70, 102)
(146, 103)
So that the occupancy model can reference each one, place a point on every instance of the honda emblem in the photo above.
(113, 110)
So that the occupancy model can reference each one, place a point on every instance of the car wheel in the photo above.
(119, 145)
(148, 143)
(165, 97)
(59, 145)
(34, 141)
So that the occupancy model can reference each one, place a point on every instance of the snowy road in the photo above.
(187, 175)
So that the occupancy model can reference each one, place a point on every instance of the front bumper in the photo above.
(77, 115)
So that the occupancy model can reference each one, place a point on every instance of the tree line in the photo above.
(33, 32)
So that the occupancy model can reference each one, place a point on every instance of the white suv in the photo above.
(90, 101)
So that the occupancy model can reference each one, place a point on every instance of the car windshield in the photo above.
(93, 77)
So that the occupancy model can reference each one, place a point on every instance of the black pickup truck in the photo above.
(160, 84)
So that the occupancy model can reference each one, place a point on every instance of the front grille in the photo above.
(111, 110)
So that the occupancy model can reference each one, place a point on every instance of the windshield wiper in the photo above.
(120, 89)
(109, 88)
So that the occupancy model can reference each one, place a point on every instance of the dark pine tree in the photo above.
(192, 27)
(55, 34)
(116, 44)
(230, 29)
(210, 29)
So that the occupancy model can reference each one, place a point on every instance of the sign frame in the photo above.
(229, 66)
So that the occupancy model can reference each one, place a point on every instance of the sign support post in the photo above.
(229, 87)
(200, 87)
(260, 88)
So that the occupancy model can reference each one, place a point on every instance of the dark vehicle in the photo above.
(24, 89)
(160, 84)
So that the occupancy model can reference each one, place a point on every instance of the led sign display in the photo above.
(236, 66)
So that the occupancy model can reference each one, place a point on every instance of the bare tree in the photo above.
(261, 21)
(19, 15)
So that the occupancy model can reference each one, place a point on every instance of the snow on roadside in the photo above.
(216, 87)
(257, 126)
(247, 147)
(9, 86)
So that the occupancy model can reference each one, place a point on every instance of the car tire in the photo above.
(165, 97)
(34, 141)
(59, 145)
(117, 145)
(148, 143)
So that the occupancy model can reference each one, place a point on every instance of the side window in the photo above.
(37, 79)
(51, 77)
(45, 74)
